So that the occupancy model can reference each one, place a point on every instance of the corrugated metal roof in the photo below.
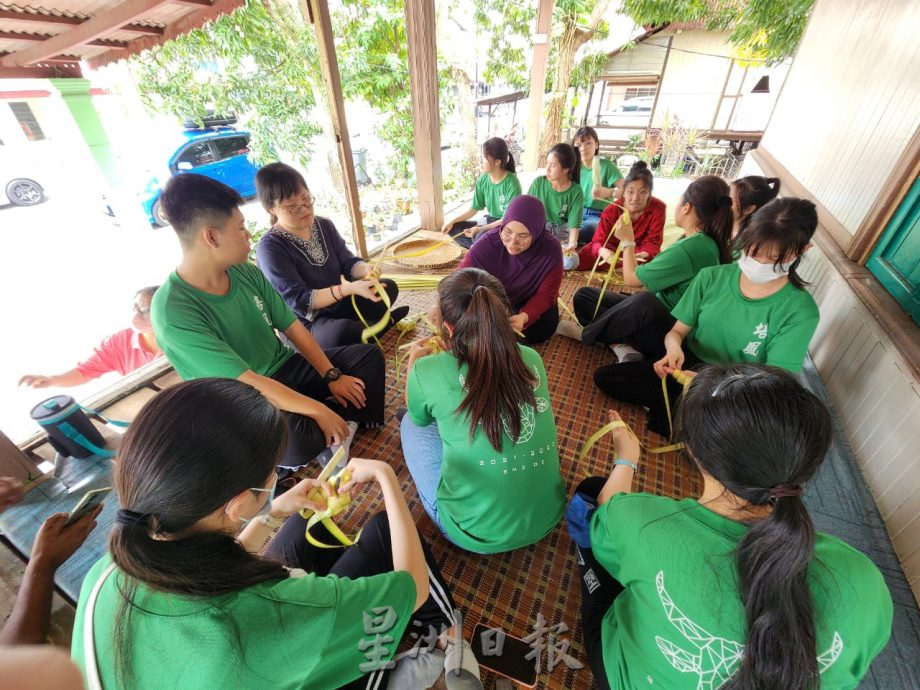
(99, 31)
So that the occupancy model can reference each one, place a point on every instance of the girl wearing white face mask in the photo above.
(757, 310)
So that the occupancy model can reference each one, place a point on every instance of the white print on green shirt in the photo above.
(752, 347)
(261, 305)
(714, 659)
(527, 415)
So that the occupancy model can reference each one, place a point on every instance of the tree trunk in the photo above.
(573, 37)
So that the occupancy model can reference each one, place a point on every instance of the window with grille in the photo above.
(639, 91)
(26, 118)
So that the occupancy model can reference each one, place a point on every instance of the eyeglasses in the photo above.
(143, 311)
(267, 506)
(520, 238)
(306, 203)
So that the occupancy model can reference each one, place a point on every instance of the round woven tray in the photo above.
(440, 257)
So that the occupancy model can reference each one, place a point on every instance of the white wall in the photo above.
(850, 103)
(849, 106)
(878, 403)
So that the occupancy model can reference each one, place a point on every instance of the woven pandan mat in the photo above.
(437, 254)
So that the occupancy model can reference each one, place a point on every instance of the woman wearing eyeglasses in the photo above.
(305, 258)
(527, 260)
(125, 351)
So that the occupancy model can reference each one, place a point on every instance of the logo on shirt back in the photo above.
(714, 659)
(260, 304)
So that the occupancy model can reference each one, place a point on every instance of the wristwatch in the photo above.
(332, 375)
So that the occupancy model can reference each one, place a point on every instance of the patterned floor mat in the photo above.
(509, 590)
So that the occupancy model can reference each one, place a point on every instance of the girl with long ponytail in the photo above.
(479, 437)
(183, 597)
(733, 590)
(495, 188)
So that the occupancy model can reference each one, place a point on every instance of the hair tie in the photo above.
(129, 518)
(784, 490)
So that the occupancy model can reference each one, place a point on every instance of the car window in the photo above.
(231, 146)
(196, 154)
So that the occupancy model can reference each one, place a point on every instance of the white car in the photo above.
(18, 177)
(634, 112)
(22, 191)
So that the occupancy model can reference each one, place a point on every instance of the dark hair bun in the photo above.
(638, 165)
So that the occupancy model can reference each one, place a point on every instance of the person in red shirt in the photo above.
(125, 351)
(646, 212)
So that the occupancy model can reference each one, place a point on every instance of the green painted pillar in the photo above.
(75, 93)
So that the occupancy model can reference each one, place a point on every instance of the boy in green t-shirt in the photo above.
(216, 316)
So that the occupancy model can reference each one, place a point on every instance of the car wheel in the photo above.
(25, 192)
(157, 212)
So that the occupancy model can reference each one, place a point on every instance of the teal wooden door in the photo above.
(896, 258)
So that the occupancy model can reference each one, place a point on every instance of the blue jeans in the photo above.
(423, 450)
(590, 217)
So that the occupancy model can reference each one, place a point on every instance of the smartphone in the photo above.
(512, 662)
(87, 504)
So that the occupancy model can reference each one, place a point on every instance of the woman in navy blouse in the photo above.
(306, 260)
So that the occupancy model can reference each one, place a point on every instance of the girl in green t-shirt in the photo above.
(600, 180)
(184, 595)
(495, 188)
(749, 194)
(561, 194)
(634, 325)
(479, 437)
(754, 311)
(733, 590)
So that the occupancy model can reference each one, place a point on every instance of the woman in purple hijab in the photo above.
(527, 261)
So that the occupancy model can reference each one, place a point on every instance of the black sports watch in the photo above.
(332, 375)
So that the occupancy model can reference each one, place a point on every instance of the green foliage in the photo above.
(505, 63)
(257, 63)
(373, 58)
(255, 231)
(587, 70)
(768, 30)
(634, 144)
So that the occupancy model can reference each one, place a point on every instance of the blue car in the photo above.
(221, 153)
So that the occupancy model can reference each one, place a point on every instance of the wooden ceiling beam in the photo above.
(63, 59)
(74, 21)
(43, 18)
(42, 72)
(143, 29)
(105, 43)
(86, 31)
